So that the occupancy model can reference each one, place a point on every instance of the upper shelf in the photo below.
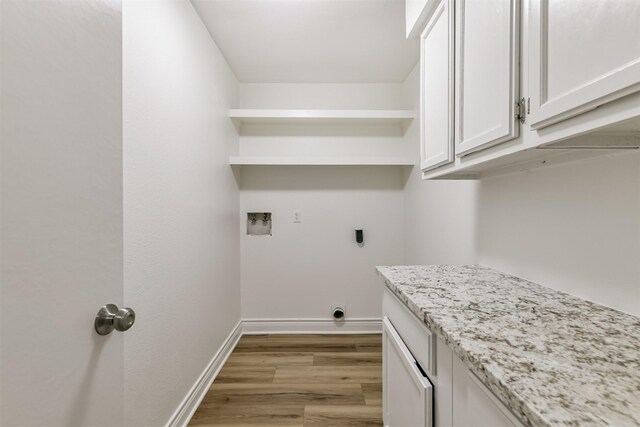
(241, 117)
(319, 161)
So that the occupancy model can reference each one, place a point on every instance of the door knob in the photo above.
(110, 317)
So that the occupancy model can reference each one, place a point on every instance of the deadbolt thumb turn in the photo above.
(110, 317)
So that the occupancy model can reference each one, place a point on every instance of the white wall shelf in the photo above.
(319, 161)
(242, 117)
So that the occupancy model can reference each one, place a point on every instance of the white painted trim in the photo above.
(311, 326)
(190, 403)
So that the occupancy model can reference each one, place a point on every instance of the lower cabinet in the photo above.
(474, 404)
(407, 392)
(425, 384)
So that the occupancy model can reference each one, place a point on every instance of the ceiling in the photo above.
(312, 41)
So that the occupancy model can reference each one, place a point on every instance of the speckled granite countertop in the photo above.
(552, 358)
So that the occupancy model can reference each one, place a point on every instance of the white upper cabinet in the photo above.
(583, 53)
(436, 88)
(524, 75)
(487, 73)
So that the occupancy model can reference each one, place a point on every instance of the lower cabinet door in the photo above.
(407, 392)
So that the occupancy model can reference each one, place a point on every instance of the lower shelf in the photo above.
(320, 161)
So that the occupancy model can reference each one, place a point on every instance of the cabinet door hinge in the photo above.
(521, 112)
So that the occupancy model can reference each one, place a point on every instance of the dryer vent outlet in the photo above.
(338, 313)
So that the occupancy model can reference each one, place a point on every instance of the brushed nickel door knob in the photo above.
(110, 317)
(124, 319)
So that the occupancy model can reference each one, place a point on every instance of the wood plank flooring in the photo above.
(310, 380)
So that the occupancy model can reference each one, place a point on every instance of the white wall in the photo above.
(574, 227)
(302, 269)
(180, 205)
(61, 218)
(323, 95)
(439, 216)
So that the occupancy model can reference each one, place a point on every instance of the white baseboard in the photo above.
(190, 403)
(311, 326)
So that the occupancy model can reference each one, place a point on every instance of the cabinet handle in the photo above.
(521, 112)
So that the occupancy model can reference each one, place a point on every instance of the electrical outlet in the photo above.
(297, 216)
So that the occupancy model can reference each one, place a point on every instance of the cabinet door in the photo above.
(487, 74)
(584, 53)
(436, 88)
(407, 393)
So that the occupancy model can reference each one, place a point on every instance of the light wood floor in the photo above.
(298, 380)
